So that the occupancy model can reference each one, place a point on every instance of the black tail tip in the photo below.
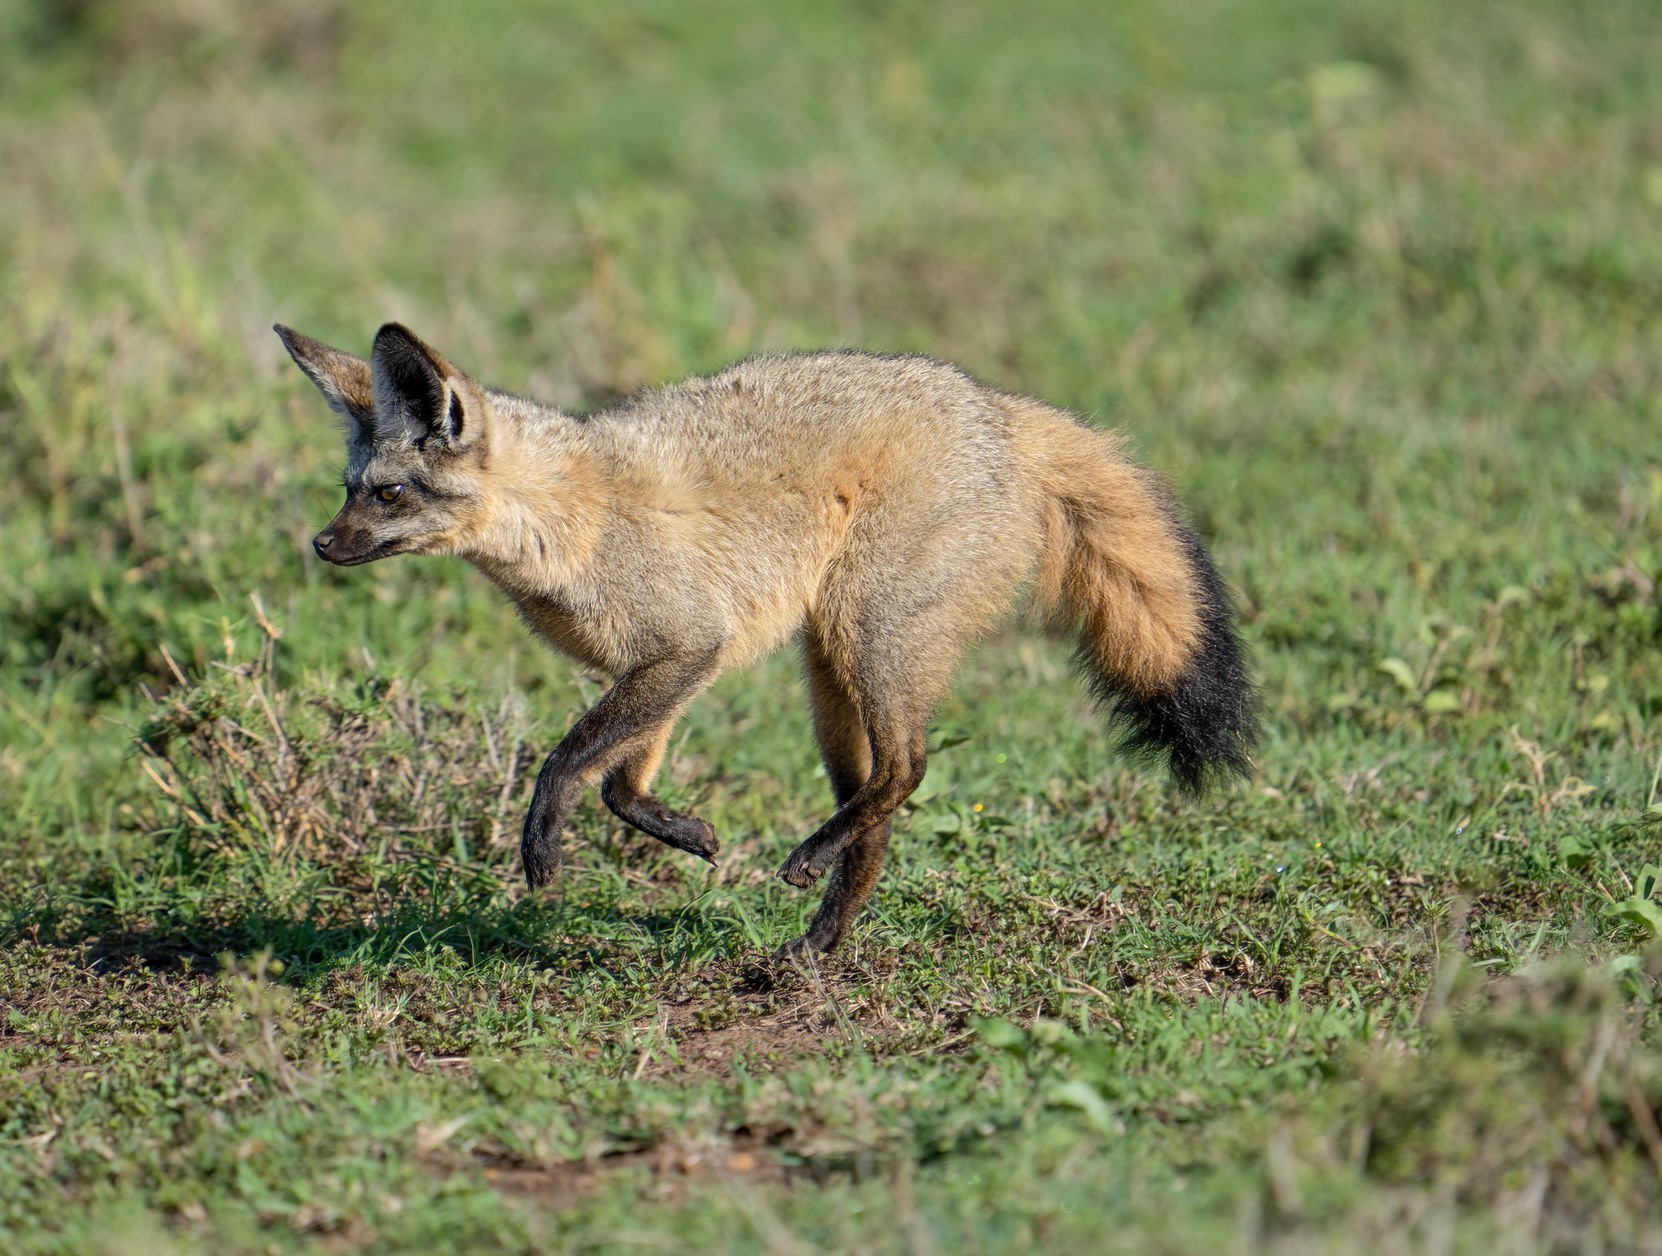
(1206, 724)
(1204, 727)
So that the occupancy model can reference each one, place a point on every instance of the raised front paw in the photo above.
(697, 837)
(539, 851)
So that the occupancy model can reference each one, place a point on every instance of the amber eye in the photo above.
(389, 492)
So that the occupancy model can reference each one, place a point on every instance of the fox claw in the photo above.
(799, 873)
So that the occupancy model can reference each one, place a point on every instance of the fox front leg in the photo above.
(625, 791)
(540, 847)
(620, 730)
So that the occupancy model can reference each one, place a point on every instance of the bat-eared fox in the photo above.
(882, 511)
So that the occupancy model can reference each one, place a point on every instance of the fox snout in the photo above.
(346, 546)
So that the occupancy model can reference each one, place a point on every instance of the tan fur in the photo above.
(1111, 561)
(885, 510)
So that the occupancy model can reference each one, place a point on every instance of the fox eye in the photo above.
(390, 492)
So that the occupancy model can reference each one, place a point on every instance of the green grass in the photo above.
(1379, 286)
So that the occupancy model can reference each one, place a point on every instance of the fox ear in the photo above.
(344, 380)
(419, 397)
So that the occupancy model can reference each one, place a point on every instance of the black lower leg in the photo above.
(872, 806)
(641, 701)
(851, 883)
(651, 817)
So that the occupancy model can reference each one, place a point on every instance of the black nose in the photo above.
(321, 543)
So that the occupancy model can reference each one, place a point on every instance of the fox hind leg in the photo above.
(898, 762)
(893, 680)
(846, 750)
(838, 727)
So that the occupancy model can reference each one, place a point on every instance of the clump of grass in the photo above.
(251, 767)
(1534, 1100)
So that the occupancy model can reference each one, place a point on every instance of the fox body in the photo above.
(884, 511)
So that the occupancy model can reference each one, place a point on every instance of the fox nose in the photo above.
(321, 543)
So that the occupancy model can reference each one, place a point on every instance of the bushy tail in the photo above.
(1123, 568)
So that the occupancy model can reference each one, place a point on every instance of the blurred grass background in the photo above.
(1378, 287)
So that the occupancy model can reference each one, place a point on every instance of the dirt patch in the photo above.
(669, 1172)
(766, 1013)
(767, 1038)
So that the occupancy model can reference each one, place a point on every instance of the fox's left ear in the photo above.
(419, 397)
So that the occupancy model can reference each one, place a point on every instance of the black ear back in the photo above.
(415, 394)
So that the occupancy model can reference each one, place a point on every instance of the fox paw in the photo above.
(703, 841)
(542, 859)
(689, 833)
(821, 939)
(806, 865)
(798, 875)
(797, 949)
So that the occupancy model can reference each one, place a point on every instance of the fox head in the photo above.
(416, 437)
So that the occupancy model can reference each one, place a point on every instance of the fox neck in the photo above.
(544, 514)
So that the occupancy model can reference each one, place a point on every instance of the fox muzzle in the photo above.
(345, 545)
